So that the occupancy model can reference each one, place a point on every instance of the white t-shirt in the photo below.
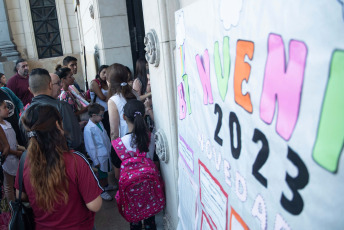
(11, 163)
(98, 100)
(127, 140)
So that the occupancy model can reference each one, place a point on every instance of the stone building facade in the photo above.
(97, 31)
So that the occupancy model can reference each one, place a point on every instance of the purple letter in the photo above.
(283, 83)
(205, 77)
(182, 103)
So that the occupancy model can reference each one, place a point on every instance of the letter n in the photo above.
(204, 74)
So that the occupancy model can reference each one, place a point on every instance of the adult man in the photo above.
(19, 83)
(72, 63)
(43, 90)
(56, 85)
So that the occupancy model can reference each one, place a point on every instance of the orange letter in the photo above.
(242, 72)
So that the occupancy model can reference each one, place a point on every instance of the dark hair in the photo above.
(62, 72)
(17, 62)
(45, 155)
(95, 108)
(130, 78)
(116, 75)
(1, 74)
(68, 59)
(39, 80)
(100, 70)
(141, 73)
(2, 100)
(134, 110)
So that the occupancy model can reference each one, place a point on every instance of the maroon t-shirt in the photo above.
(20, 87)
(83, 188)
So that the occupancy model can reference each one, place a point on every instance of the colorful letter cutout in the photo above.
(222, 77)
(283, 84)
(182, 103)
(204, 75)
(330, 139)
(242, 72)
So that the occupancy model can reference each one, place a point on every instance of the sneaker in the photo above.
(106, 196)
(110, 187)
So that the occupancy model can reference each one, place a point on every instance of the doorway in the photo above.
(136, 30)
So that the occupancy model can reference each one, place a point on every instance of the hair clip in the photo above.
(137, 113)
(32, 134)
(124, 84)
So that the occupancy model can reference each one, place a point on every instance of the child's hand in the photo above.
(21, 148)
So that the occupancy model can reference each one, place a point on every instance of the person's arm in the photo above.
(88, 185)
(95, 204)
(143, 97)
(5, 147)
(95, 88)
(137, 85)
(81, 111)
(149, 109)
(113, 119)
(16, 153)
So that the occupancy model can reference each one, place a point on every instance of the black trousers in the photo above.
(149, 223)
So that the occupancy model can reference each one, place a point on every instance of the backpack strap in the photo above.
(120, 149)
(98, 82)
(143, 154)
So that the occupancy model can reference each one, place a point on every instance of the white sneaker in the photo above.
(106, 196)
(110, 187)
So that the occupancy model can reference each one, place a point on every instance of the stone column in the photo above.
(7, 48)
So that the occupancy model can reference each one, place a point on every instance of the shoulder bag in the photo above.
(22, 217)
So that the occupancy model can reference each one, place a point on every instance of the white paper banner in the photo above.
(260, 88)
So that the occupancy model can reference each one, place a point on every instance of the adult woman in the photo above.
(2, 80)
(141, 81)
(120, 92)
(66, 76)
(59, 184)
(17, 102)
(99, 92)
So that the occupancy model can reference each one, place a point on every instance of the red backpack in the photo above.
(140, 187)
(88, 92)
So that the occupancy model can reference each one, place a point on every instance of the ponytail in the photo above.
(45, 156)
(134, 110)
(141, 137)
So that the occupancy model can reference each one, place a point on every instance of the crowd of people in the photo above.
(67, 134)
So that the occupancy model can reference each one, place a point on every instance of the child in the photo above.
(98, 146)
(11, 160)
(138, 138)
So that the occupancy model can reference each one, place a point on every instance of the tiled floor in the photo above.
(109, 218)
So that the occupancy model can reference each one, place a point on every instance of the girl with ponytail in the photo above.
(59, 184)
(119, 93)
(137, 138)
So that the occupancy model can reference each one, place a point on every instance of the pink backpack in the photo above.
(141, 189)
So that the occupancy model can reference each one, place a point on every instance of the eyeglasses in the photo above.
(57, 83)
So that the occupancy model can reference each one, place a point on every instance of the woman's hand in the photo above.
(97, 90)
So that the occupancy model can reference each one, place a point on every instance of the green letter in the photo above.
(330, 138)
(222, 80)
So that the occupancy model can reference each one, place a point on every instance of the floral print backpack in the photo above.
(140, 187)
